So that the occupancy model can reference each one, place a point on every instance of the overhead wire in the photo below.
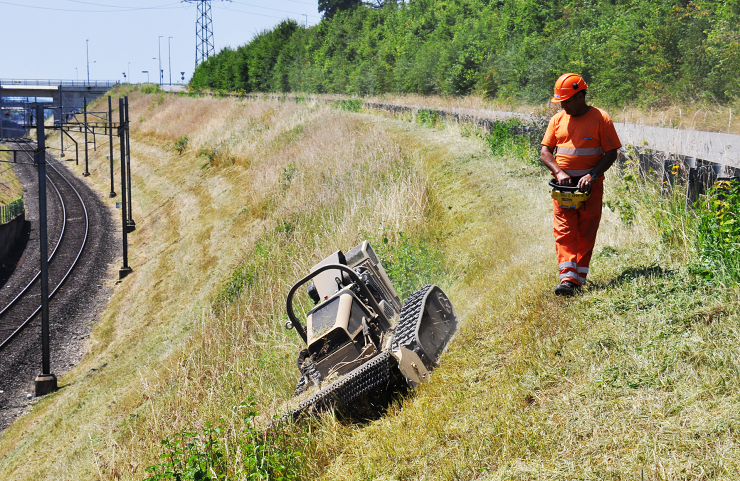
(156, 7)
(129, 9)
(266, 8)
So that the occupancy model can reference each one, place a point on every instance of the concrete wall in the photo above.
(9, 234)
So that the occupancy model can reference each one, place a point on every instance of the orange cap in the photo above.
(567, 85)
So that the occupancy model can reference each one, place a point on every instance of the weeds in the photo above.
(150, 88)
(410, 262)
(719, 232)
(224, 453)
(511, 140)
(181, 144)
(350, 105)
(289, 173)
(429, 118)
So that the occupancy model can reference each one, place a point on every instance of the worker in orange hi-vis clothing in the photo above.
(587, 146)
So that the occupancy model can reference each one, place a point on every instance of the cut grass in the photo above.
(634, 378)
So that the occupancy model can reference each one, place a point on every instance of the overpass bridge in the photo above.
(67, 95)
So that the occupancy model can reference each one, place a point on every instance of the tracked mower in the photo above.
(359, 337)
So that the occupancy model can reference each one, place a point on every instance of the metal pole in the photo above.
(84, 113)
(110, 143)
(125, 270)
(130, 222)
(61, 120)
(159, 58)
(169, 58)
(46, 382)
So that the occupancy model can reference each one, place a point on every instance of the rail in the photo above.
(11, 211)
(56, 83)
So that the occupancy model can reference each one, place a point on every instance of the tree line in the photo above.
(630, 51)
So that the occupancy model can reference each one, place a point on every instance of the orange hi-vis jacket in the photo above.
(581, 143)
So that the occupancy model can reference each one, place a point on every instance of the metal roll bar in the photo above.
(353, 276)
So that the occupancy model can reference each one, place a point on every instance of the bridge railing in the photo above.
(55, 83)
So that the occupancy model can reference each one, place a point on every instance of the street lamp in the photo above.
(77, 74)
(306, 19)
(169, 59)
(147, 75)
(159, 56)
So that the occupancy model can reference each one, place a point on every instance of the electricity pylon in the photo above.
(203, 31)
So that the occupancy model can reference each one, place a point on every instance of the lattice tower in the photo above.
(203, 31)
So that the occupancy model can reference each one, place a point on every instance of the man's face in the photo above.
(574, 105)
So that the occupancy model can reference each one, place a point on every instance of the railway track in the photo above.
(68, 231)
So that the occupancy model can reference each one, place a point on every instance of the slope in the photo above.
(636, 377)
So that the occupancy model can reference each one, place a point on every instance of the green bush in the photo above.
(719, 232)
(181, 144)
(224, 453)
(150, 88)
(351, 105)
(509, 138)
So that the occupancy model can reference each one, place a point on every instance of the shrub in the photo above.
(181, 144)
(510, 138)
(222, 453)
(719, 232)
(351, 105)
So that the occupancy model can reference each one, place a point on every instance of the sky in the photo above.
(50, 39)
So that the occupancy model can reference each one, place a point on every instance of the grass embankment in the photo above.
(636, 377)
(10, 187)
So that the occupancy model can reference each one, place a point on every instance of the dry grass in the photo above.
(705, 116)
(636, 378)
(10, 186)
(162, 359)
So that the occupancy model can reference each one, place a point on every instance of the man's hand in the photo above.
(586, 182)
(549, 160)
(564, 179)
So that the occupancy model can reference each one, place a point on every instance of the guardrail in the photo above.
(56, 83)
(11, 211)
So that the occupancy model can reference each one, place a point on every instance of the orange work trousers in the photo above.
(575, 235)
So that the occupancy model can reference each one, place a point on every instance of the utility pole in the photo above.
(46, 382)
(61, 121)
(87, 49)
(84, 116)
(204, 46)
(169, 59)
(130, 222)
(159, 57)
(110, 143)
(125, 270)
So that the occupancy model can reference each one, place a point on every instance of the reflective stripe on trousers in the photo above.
(575, 234)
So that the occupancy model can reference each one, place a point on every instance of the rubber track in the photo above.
(351, 386)
(409, 320)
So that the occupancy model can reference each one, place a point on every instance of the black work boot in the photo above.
(566, 288)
